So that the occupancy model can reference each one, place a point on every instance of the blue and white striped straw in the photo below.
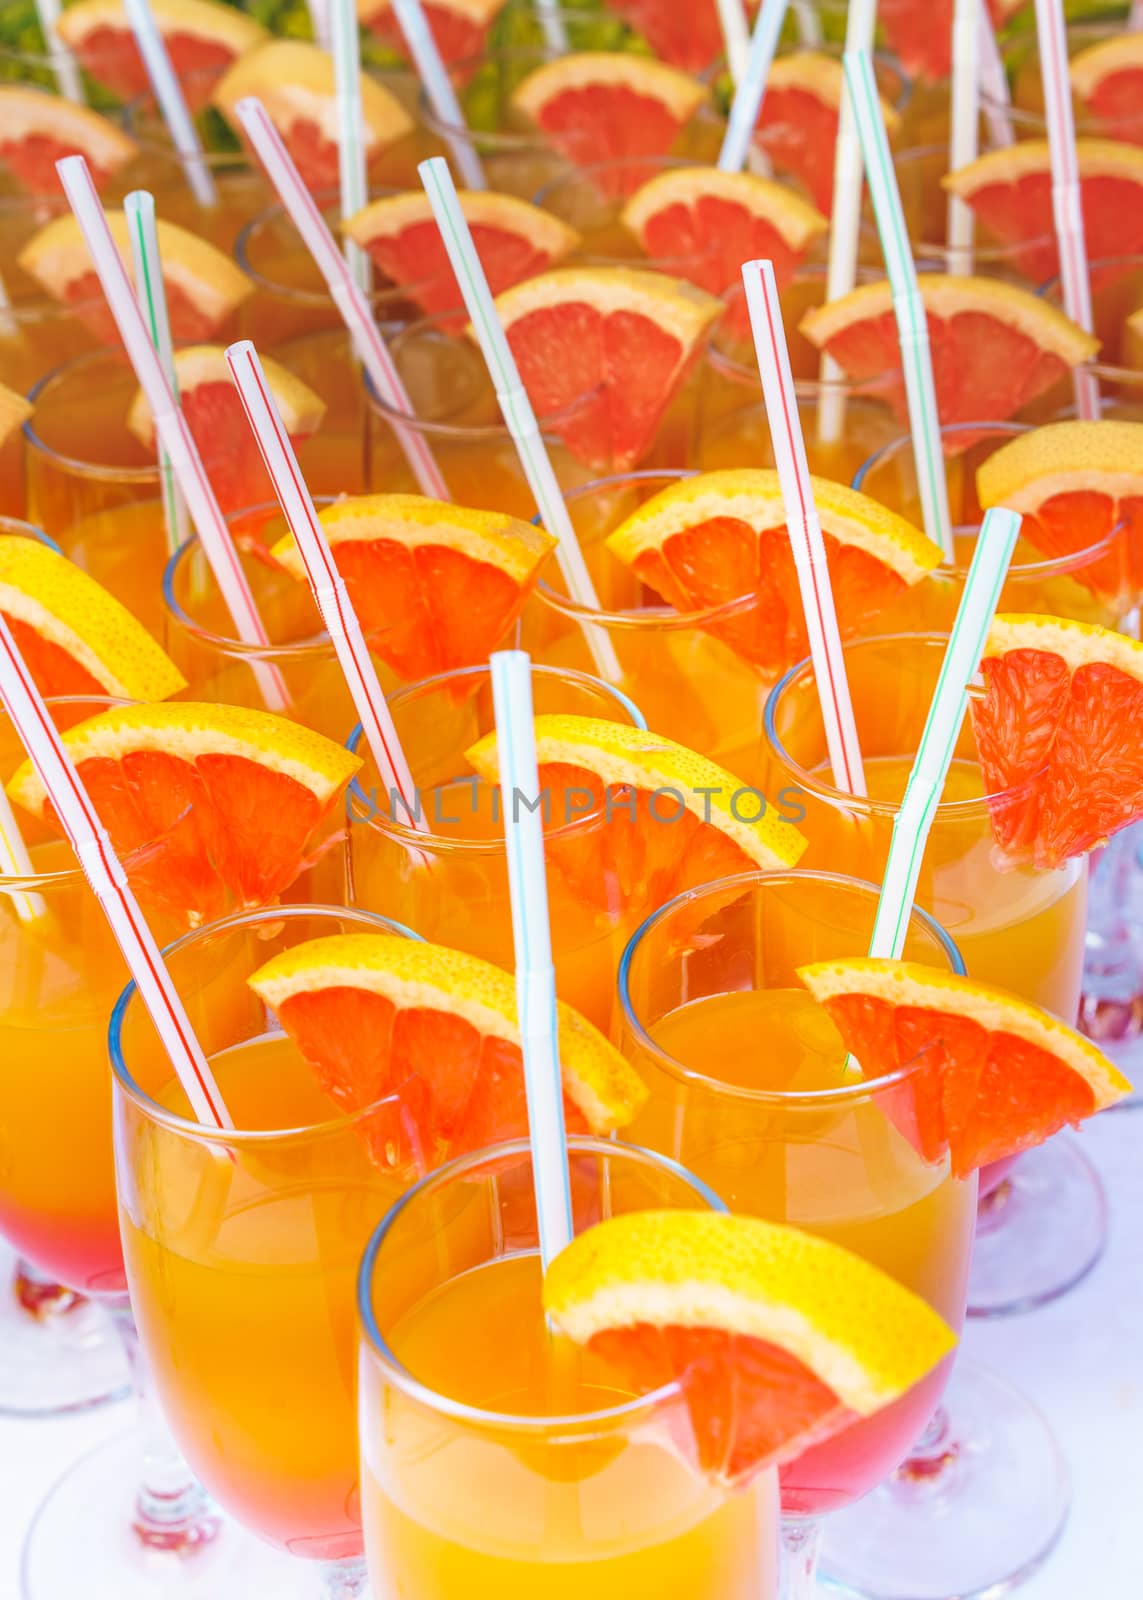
(354, 190)
(532, 940)
(172, 103)
(438, 87)
(750, 92)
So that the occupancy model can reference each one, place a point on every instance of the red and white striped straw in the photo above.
(326, 582)
(170, 425)
(804, 526)
(104, 872)
(1067, 204)
(344, 291)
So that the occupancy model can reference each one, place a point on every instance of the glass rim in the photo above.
(237, 1138)
(1055, 282)
(988, 254)
(811, 1099)
(398, 1374)
(76, 466)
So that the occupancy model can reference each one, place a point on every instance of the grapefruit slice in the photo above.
(1060, 722)
(798, 126)
(14, 412)
(216, 418)
(673, 818)
(604, 351)
(38, 129)
(995, 346)
(204, 287)
(513, 239)
(295, 82)
(434, 1034)
(710, 539)
(460, 27)
(224, 802)
(779, 1339)
(686, 36)
(1075, 482)
(1107, 80)
(76, 638)
(435, 585)
(1004, 1075)
(919, 33)
(202, 39)
(598, 106)
(1011, 192)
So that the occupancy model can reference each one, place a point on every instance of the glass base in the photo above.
(971, 1520)
(1039, 1233)
(83, 1540)
(58, 1352)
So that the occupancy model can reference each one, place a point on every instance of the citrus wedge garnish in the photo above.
(602, 352)
(599, 106)
(710, 539)
(226, 800)
(687, 36)
(295, 83)
(435, 585)
(919, 33)
(436, 1031)
(75, 637)
(513, 239)
(14, 412)
(38, 129)
(1061, 724)
(1011, 192)
(778, 1339)
(673, 819)
(1107, 80)
(459, 27)
(203, 286)
(999, 1075)
(214, 413)
(995, 346)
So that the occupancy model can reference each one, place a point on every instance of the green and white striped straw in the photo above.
(750, 89)
(994, 546)
(350, 131)
(912, 325)
(139, 207)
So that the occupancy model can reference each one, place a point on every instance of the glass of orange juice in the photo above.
(498, 1461)
(38, 333)
(1116, 292)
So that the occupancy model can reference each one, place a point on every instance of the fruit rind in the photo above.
(1088, 68)
(678, 307)
(1079, 644)
(392, 214)
(220, 24)
(27, 112)
(295, 82)
(798, 222)
(301, 409)
(677, 91)
(1095, 157)
(1061, 458)
(822, 76)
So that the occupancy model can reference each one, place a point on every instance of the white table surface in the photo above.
(1081, 1359)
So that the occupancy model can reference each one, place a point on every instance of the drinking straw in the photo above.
(1067, 203)
(963, 141)
(345, 293)
(354, 190)
(329, 591)
(104, 872)
(8, 328)
(68, 80)
(438, 86)
(319, 22)
(515, 406)
(809, 24)
(912, 323)
(552, 22)
(139, 207)
(804, 526)
(172, 103)
(994, 85)
(171, 428)
(15, 862)
(994, 546)
(735, 37)
(751, 89)
(532, 942)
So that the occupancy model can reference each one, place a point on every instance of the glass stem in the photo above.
(931, 1456)
(39, 1296)
(801, 1548)
(172, 1512)
(344, 1580)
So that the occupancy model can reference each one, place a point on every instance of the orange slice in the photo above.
(995, 346)
(1075, 482)
(687, 36)
(38, 129)
(434, 1034)
(1061, 722)
(1011, 192)
(14, 412)
(460, 27)
(435, 585)
(214, 413)
(1107, 79)
(204, 287)
(295, 83)
(224, 801)
(603, 351)
(513, 239)
(202, 39)
(713, 538)
(596, 107)
(919, 33)
(76, 638)
(779, 1339)
(1001, 1075)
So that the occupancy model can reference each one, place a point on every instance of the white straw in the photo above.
(15, 862)
(735, 37)
(994, 545)
(319, 21)
(996, 95)
(172, 103)
(749, 94)
(9, 328)
(101, 866)
(67, 75)
(552, 22)
(171, 428)
(1135, 17)
(352, 305)
(809, 24)
(354, 189)
(515, 406)
(438, 86)
(532, 940)
(963, 137)
(804, 525)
